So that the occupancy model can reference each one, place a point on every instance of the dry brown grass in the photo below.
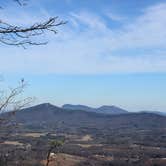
(35, 135)
(16, 143)
(62, 159)
(89, 145)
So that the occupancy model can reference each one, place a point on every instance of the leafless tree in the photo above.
(11, 100)
(18, 35)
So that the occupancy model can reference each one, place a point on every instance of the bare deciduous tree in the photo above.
(10, 99)
(18, 35)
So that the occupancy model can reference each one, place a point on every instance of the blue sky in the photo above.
(110, 52)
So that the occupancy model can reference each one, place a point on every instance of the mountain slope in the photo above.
(113, 110)
(78, 107)
(155, 112)
(47, 116)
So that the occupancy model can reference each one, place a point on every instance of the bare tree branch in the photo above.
(17, 35)
(9, 101)
(26, 35)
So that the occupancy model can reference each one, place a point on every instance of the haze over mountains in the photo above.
(113, 110)
(104, 109)
(46, 115)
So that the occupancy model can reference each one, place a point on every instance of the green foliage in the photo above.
(56, 143)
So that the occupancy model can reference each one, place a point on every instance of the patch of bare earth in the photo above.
(85, 138)
(35, 135)
(63, 159)
(89, 145)
(16, 143)
(103, 158)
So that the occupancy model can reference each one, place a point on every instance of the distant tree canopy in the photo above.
(18, 35)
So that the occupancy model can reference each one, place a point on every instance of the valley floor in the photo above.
(86, 149)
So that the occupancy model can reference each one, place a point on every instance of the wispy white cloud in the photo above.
(115, 17)
(87, 45)
(89, 19)
(148, 29)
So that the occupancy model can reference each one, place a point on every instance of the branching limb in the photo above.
(23, 36)
(18, 35)
(9, 101)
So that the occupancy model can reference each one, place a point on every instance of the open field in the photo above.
(107, 149)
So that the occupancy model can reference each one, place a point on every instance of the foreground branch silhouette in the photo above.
(18, 35)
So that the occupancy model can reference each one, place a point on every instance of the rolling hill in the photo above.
(49, 116)
(113, 110)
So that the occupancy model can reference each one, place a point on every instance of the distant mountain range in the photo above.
(112, 110)
(155, 112)
(105, 109)
(47, 116)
